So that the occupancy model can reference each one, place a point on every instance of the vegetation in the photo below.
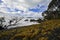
(38, 20)
(53, 11)
(11, 22)
(48, 30)
(1, 22)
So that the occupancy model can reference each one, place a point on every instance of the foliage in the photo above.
(38, 20)
(53, 11)
(48, 30)
(11, 22)
(1, 22)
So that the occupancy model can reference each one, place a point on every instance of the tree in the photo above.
(14, 21)
(11, 22)
(47, 15)
(40, 20)
(1, 22)
(53, 11)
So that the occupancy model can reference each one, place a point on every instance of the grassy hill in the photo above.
(48, 30)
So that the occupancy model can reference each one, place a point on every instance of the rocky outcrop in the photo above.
(53, 11)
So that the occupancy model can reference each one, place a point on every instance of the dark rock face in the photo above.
(53, 11)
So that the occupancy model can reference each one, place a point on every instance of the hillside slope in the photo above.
(48, 30)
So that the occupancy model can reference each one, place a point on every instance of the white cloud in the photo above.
(32, 14)
(14, 4)
(22, 5)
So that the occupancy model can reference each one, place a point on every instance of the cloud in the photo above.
(19, 6)
(23, 4)
(31, 14)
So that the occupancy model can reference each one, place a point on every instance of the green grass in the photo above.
(48, 30)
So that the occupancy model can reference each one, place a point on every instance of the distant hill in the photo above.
(48, 30)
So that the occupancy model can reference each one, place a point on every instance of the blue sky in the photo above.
(39, 9)
(23, 6)
(0, 1)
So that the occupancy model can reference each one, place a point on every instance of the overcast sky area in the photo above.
(24, 7)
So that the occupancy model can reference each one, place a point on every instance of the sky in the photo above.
(24, 7)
